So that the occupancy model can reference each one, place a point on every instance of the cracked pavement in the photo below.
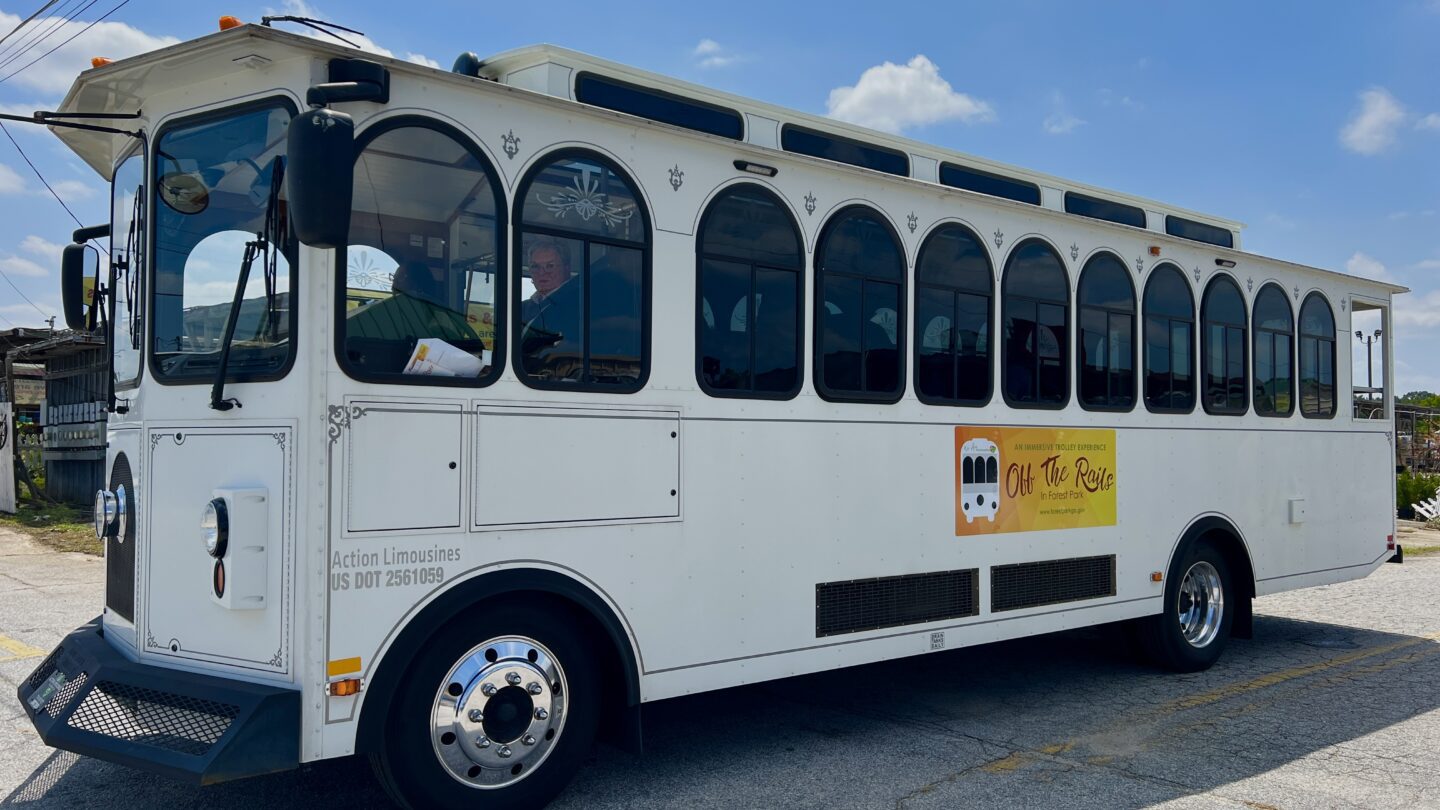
(1333, 704)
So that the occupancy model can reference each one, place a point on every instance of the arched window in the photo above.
(1036, 306)
(1317, 358)
(954, 285)
(751, 264)
(421, 272)
(859, 308)
(1105, 318)
(1223, 347)
(582, 268)
(1274, 347)
(1169, 341)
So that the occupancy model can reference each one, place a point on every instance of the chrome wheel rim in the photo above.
(1200, 604)
(499, 712)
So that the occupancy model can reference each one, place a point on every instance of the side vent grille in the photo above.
(870, 604)
(1052, 582)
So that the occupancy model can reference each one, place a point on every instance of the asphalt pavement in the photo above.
(1335, 703)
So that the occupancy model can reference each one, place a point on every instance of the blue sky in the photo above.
(1318, 125)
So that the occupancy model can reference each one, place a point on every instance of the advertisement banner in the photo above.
(1032, 479)
(7, 457)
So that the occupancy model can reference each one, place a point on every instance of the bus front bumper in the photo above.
(88, 698)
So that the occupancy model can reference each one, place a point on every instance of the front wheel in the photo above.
(498, 711)
(1200, 601)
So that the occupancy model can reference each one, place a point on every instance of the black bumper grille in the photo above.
(869, 604)
(136, 714)
(1051, 582)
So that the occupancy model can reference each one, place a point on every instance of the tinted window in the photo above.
(987, 183)
(1096, 208)
(658, 106)
(582, 278)
(421, 269)
(954, 285)
(127, 261)
(1274, 345)
(1036, 305)
(843, 150)
(1106, 334)
(1199, 232)
(859, 315)
(1317, 358)
(749, 304)
(1222, 311)
(1169, 341)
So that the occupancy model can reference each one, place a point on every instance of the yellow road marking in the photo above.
(1005, 764)
(12, 650)
(1274, 678)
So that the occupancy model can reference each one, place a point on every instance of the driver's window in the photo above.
(421, 270)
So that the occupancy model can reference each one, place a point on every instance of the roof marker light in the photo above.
(100, 61)
(756, 168)
(1224, 263)
(227, 22)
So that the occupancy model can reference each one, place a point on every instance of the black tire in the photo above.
(1161, 638)
(407, 765)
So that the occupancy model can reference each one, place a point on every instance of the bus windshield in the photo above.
(212, 180)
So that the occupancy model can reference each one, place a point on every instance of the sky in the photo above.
(1316, 124)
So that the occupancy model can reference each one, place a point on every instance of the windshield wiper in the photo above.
(267, 243)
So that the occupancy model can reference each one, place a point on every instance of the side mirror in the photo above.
(319, 176)
(79, 275)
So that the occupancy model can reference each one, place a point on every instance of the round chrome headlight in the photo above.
(215, 528)
(106, 510)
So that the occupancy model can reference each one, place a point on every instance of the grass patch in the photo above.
(61, 527)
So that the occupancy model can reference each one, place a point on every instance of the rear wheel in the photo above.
(1200, 602)
(498, 711)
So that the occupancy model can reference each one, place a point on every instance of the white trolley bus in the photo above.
(457, 414)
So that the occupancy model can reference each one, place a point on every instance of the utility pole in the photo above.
(1369, 356)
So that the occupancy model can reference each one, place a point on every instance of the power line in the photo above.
(42, 31)
(6, 130)
(22, 295)
(68, 41)
(27, 20)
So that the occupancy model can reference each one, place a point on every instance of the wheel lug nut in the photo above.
(476, 716)
(505, 752)
(541, 714)
(535, 688)
(482, 742)
(529, 739)
(488, 690)
(513, 678)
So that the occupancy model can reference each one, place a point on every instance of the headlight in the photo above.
(215, 528)
(106, 510)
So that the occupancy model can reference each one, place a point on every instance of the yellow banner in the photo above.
(1031, 479)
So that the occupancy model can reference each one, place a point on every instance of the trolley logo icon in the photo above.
(1032, 479)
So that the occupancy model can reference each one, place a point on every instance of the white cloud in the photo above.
(1427, 264)
(1430, 122)
(1367, 266)
(1372, 128)
(710, 54)
(422, 59)
(1110, 98)
(1061, 123)
(21, 266)
(72, 189)
(45, 249)
(55, 72)
(22, 314)
(1422, 312)
(300, 8)
(10, 181)
(891, 97)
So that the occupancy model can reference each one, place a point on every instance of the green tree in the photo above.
(1425, 399)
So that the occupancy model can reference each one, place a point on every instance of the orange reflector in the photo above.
(1154, 250)
(345, 688)
(1156, 576)
(227, 22)
(342, 666)
(100, 61)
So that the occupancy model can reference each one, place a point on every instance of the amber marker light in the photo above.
(227, 22)
(1154, 250)
(345, 688)
(1156, 576)
(99, 61)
